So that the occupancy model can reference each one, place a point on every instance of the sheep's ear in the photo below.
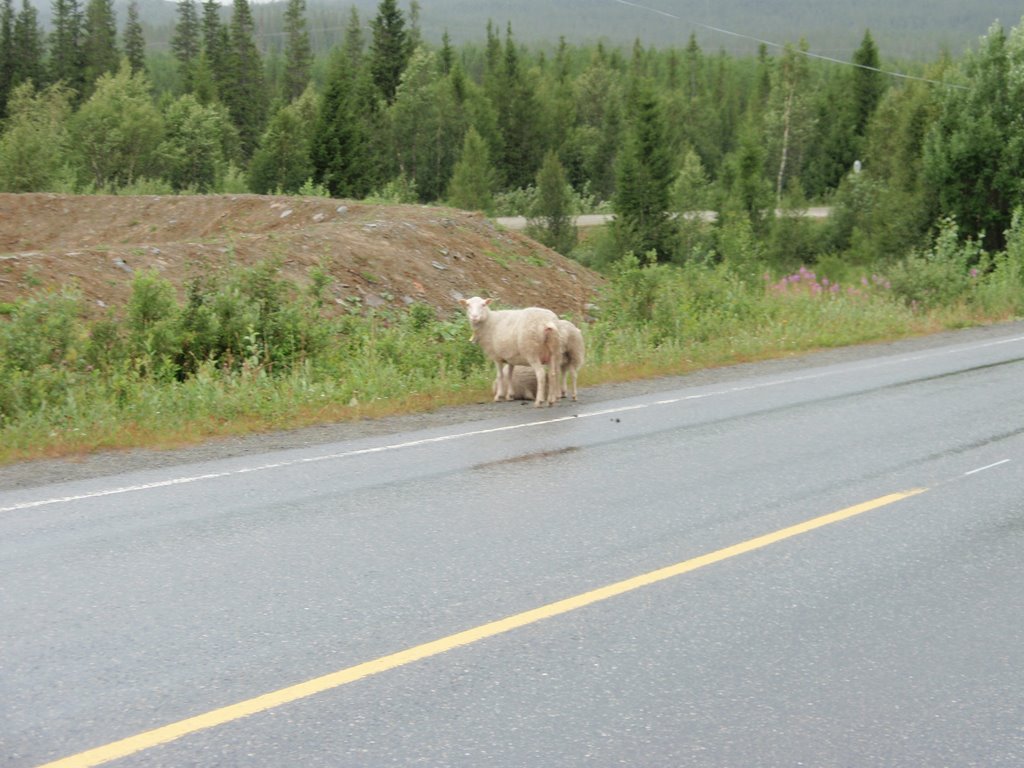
(463, 302)
(487, 301)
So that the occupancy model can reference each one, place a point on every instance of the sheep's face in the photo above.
(476, 309)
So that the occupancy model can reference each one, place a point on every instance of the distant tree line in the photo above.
(651, 132)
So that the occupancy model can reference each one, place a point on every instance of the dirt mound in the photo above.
(374, 255)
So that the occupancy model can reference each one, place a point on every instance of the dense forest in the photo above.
(498, 125)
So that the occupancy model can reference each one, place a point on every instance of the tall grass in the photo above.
(247, 350)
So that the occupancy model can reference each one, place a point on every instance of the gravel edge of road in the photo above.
(29, 474)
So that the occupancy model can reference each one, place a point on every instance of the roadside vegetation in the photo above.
(247, 351)
(922, 173)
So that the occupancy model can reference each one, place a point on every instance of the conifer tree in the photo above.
(66, 61)
(6, 53)
(297, 51)
(99, 43)
(518, 117)
(134, 41)
(354, 43)
(340, 146)
(643, 181)
(185, 43)
(29, 47)
(868, 83)
(551, 217)
(244, 91)
(447, 56)
(389, 50)
(215, 44)
(472, 185)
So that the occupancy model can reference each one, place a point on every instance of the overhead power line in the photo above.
(769, 43)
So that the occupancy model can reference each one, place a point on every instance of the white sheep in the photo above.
(523, 383)
(512, 337)
(573, 353)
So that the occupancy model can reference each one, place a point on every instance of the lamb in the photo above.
(512, 337)
(523, 382)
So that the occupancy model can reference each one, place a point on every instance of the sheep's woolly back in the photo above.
(514, 336)
(573, 352)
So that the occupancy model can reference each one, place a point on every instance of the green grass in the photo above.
(248, 352)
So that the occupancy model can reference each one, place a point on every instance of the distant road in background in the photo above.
(518, 223)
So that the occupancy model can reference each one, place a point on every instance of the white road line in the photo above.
(987, 466)
(492, 430)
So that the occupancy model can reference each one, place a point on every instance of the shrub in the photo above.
(939, 276)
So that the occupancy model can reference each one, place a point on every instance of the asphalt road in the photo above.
(819, 564)
(597, 219)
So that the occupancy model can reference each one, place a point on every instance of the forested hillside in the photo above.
(504, 126)
(915, 29)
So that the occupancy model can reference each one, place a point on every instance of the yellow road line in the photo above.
(173, 731)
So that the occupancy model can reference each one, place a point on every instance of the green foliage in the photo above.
(99, 43)
(340, 144)
(472, 184)
(644, 177)
(938, 276)
(282, 161)
(34, 146)
(389, 50)
(115, 134)
(243, 89)
(551, 215)
(298, 51)
(974, 152)
(192, 152)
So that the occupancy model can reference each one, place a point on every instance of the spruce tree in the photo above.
(29, 47)
(99, 44)
(215, 45)
(389, 51)
(447, 55)
(644, 179)
(518, 117)
(340, 145)
(472, 185)
(868, 83)
(244, 91)
(6, 53)
(66, 61)
(354, 43)
(551, 217)
(134, 41)
(185, 43)
(297, 51)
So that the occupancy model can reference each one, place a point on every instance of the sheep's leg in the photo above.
(499, 382)
(509, 391)
(555, 386)
(565, 386)
(541, 372)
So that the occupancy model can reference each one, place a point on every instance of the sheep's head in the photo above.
(476, 309)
